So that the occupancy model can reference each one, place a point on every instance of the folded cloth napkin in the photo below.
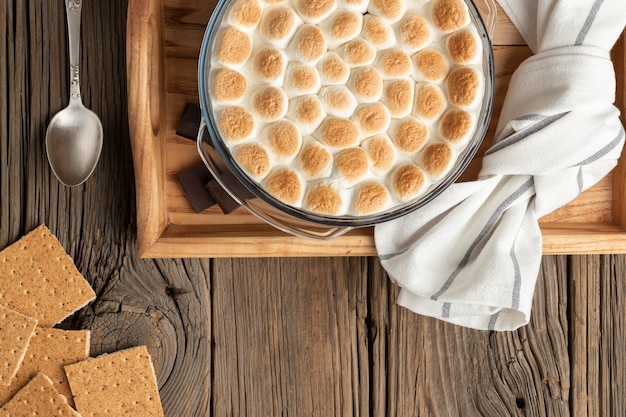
(472, 256)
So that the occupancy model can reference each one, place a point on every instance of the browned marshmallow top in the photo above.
(315, 159)
(234, 47)
(398, 97)
(323, 199)
(381, 152)
(228, 85)
(371, 197)
(437, 159)
(430, 102)
(347, 107)
(463, 85)
(285, 185)
(456, 125)
(236, 123)
(254, 159)
(408, 181)
(246, 13)
(463, 47)
(449, 15)
(283, 138)
(269, 63)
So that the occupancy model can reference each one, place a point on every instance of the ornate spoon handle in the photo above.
(73, 9)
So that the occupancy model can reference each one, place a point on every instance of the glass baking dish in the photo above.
(297, 221)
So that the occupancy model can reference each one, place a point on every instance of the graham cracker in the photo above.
(39, 279)
(38, 398)
(116, 384)
(48, 353)
(16, 330)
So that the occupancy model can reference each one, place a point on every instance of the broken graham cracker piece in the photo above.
(48, 352)
(38, 398)
(39, 279)
(115, 384)
(16, 331)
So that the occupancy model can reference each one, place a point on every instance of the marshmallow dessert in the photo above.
(345, 112)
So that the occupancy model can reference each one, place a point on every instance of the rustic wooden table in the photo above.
(281, 336)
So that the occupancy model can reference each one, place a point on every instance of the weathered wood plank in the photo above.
(597, 338)
(289, 337)
(428, 368)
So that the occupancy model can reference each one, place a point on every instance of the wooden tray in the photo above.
(163, 43)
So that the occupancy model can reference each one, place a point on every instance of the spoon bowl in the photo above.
(74, 143)
(74, 135)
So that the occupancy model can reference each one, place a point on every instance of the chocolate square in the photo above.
(224, 200)
(193, 182)
(189, 123)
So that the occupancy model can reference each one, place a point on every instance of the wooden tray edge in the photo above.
(157, 239)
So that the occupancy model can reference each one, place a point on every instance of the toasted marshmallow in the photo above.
(333, 70)
(390, 10)
(449, 15)
(234, 47)
(315, 160)
(351, 165)
(307, 112)
(464, 46)
(245, 14)
(338, 101)
(437, 160)
(359, 6)
(235, 123)
(429, 65)
(357, 52)
(338, 133)
(342, 26)
(228, 85)
(372, 118)
(398, 97)
(269, 65)
(378, 32)
(414, 32)
(456, 126)
(464, 85)
(381, 153)
(409, 134)
(394, 63)
(278, 24)
(308, 44)
(324, 199)
(283, 139)
(314, 11)
(366, 84)
(301, 80)
(285, 185)
(269, 103)
(370, 197)
(430, 101)
(254, 159)
(408, 181)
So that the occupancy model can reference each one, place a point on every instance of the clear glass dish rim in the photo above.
(351, 221)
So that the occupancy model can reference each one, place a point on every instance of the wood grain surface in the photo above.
(279, 336)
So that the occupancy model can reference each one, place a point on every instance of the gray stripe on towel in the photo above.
(486, 228)
(492, 321)
(516, 137)
(588, 22)
(445, 310)
(606, 149)
(517, 279)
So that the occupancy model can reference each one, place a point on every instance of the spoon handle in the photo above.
(73, 9)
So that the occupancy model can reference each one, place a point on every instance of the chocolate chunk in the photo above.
(193, 181)
(189, 123)
(238, 188)
(224, 200)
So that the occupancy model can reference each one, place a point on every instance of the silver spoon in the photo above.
(74, 135)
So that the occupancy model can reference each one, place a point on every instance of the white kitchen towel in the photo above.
(472, 256)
